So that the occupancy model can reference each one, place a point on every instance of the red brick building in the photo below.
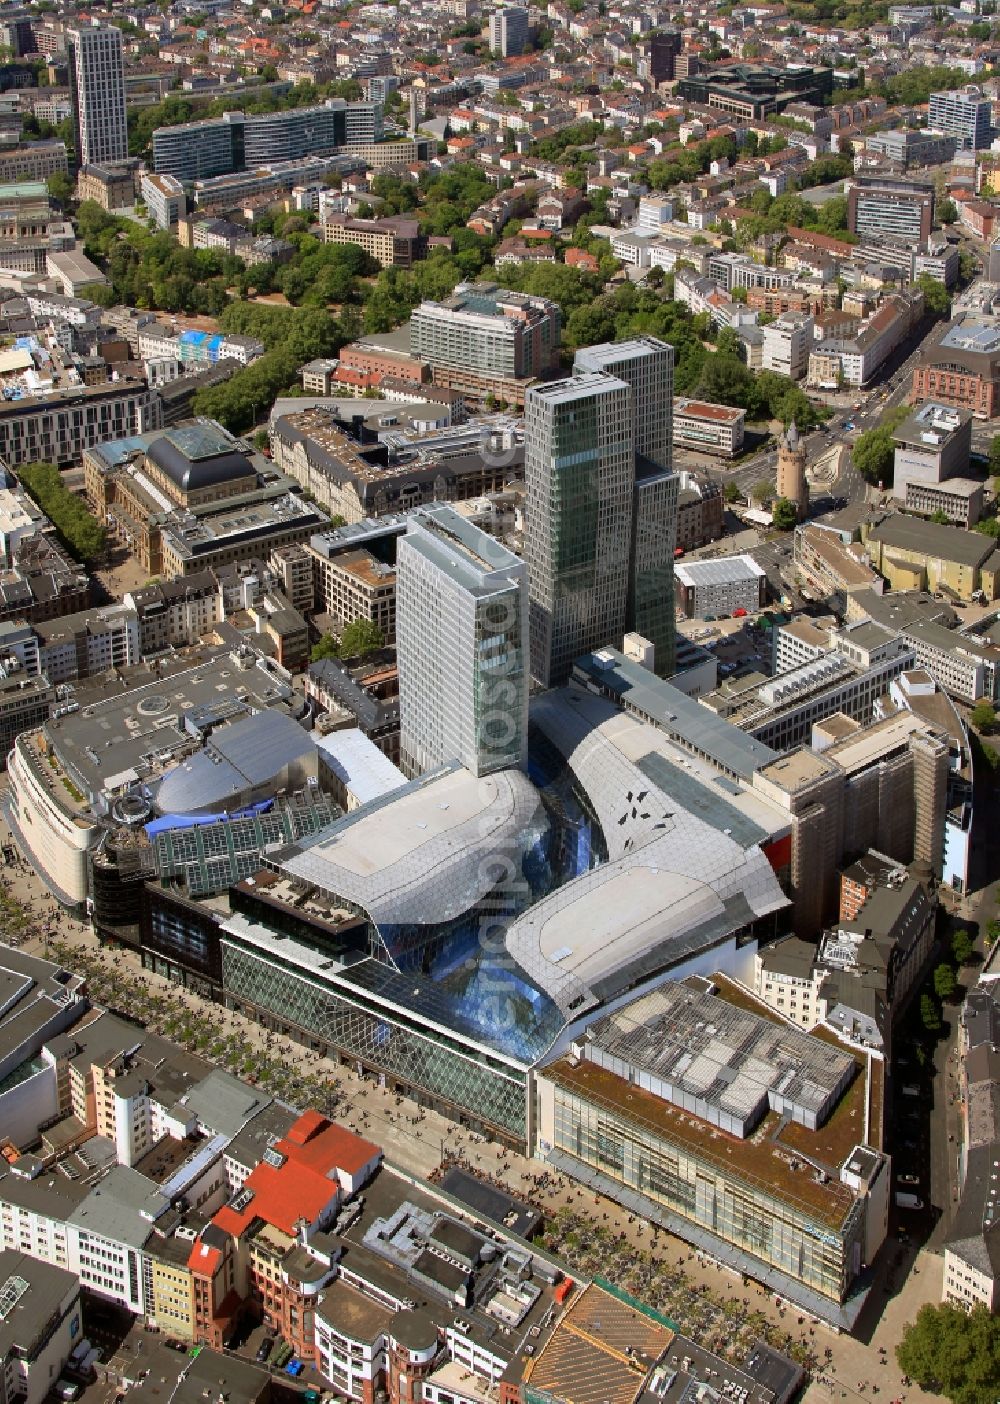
(265, 1254)
(960, 365)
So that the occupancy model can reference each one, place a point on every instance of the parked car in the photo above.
(908, 1179)
(294, 1368)
(904, 1200)
(265, 1348)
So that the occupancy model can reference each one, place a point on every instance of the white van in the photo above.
(910, 1090)
(908, 1201)
(79, 1352)
(65, 1389)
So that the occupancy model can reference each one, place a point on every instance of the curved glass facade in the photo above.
(481, 1089)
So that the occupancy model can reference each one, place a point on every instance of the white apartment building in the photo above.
(653, 211)
(97, 90)
(175, 613)
(106, 1233)
(966, 1282)
(787, 343)
(792, 986)
(355, 585)
(33, 1216)
(716, 429)
(86, 645)
(164, 198)
(964, 667)
(800, 641)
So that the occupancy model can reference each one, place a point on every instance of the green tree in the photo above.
(361, 636)
(80, 531)
(784, 514)
(929, 1016)
(731, 492)
(944, 981)
(326, 648)
(983, 716)
(873, 455)
(762, 491)
(940, 517)
(936, 299)
(728, 343)
(60, 187)
(953, 1352)
(994, 455)
(948, 212)
(962, 947)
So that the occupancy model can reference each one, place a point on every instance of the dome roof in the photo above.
(196, 462)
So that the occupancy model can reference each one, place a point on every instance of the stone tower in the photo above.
(792, 470)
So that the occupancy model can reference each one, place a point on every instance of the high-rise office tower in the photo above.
(97, 89)
(646, 364)
(579, 473)
(509, 31)
(462, 646)
(663, 50)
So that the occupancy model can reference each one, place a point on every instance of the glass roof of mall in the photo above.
(621, 862)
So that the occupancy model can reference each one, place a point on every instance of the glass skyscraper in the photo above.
(646, 365)
(579, 471)
(461, 636)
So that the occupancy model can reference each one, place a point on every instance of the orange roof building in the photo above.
(265, 1253)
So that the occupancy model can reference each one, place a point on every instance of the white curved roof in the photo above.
(421, 856)
(674, 883)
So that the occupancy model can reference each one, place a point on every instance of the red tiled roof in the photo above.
(303, 1186)
(203, 1259)
(818, 241)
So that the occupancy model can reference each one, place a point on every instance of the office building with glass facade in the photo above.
(646, 364)
(579, 473)
(714, 1123)
(485, 340)
(462, 639)
(238, 142)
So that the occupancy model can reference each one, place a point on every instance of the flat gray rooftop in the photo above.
(683, 719)
(726, 1064)
(116, 731)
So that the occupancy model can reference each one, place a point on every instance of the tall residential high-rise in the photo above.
(579, 473)
(965, 114)
(509, 31)
(462, 646)
(646, 364)
(97, 90)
